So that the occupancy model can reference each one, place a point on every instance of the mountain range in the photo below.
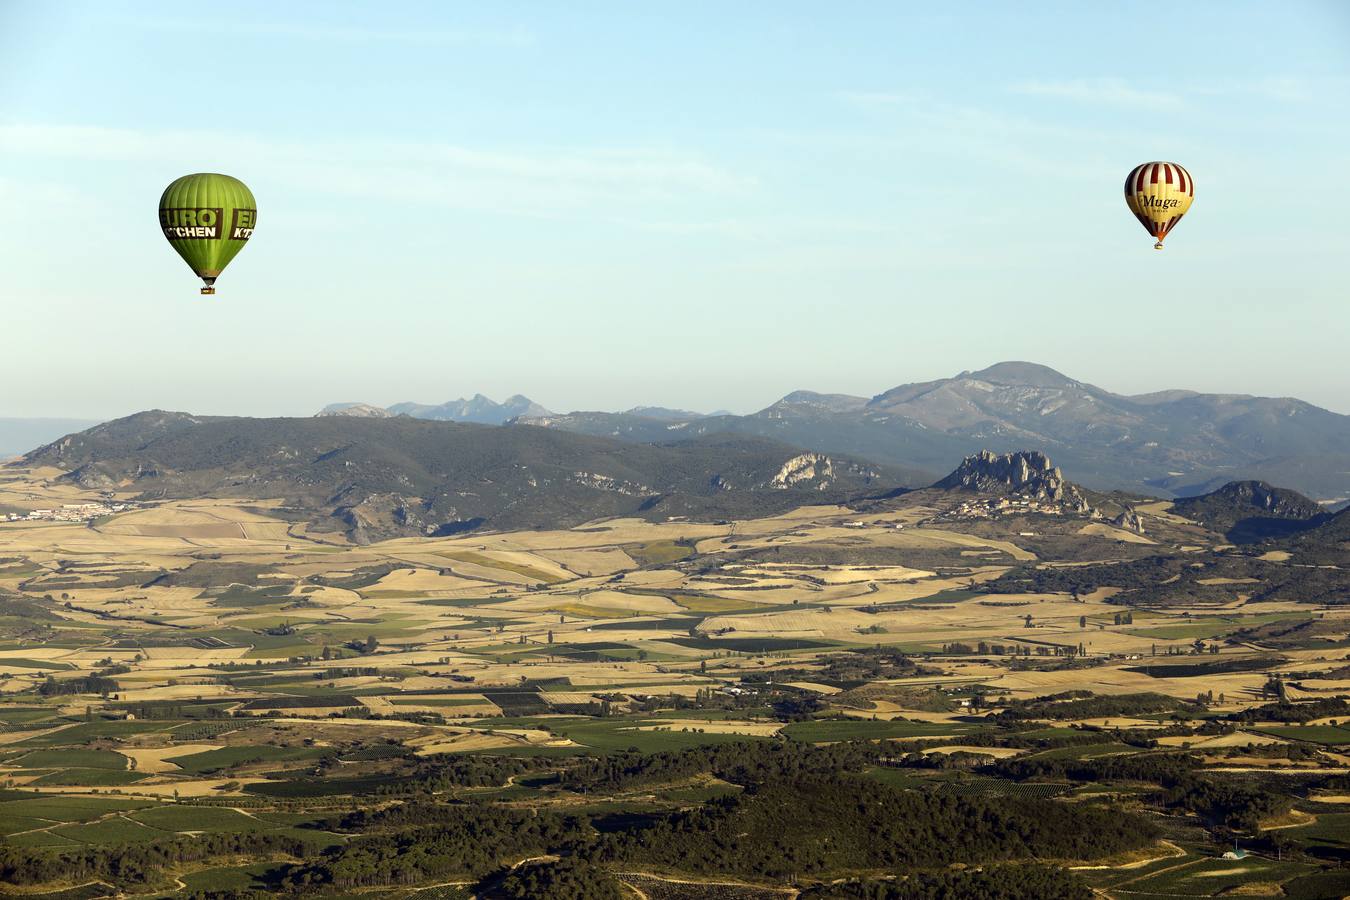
(377, 477)
(1169, 443)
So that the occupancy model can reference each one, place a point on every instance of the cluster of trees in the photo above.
(1174, 578)
(468, 839)
(809, 825)
(1074, 705)
(84, 684)
(1237, 805)
(742, 762)
(1164, 769)
(1294, 713)
(569, 878)
(853, 667)
(137, 863)
(1227, 803)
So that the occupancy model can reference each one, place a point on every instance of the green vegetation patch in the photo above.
(440, 700)
(658, 553)
(823, 730)
(41, 839)
(91, 778)
(14, 824)
(464, 601)
(748, 645)
(708, 603)
(66, 809)
(243, 596)
(210, 761)
(115, 830)
(1331, 735)
(319, 701)
(23, 662)
(88, 731)
(82, 759)
(26, 715)
(198, 818)
(230, 878)
(1210, 877)
(623, 733)
(488, 562)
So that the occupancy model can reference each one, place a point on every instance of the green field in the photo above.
(115, 830)
(1331, 735)
(822, 730)
(91, 778)
(64, 809)
(198, 818)
(622, 733)
(20, 662)
(61, 759)
(1208, 877)
(524, 571)
(230, 878)
(225, 757)
(88, 731)
(658, 553)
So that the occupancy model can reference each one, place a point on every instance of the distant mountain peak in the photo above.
(364, 410)
(478, 409)
(832, 403)
(1023, 374)
(662, 412)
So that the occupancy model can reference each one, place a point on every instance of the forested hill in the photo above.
(380, 477)
(1251, 510)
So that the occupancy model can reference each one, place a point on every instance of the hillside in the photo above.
(1250, 510)
(380, 477)
(1171, 443)
(1325, 543)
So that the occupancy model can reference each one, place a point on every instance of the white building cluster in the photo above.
(70, 512)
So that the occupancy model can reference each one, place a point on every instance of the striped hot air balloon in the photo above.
(1159, 193)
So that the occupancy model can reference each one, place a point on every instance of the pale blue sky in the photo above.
(690, 204)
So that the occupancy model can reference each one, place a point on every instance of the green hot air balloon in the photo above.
(208, 219)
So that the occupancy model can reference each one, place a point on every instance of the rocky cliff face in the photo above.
(1024, 473)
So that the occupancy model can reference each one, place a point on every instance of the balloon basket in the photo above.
(1158, 246)
(208, 290)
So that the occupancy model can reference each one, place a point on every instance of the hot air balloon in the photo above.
(207, 218)
(1159, 193)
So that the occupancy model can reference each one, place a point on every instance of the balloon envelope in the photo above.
(207, 218)
(1159, 194)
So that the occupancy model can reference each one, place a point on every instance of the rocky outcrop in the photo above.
(1130, 520)
(1025, 473)
(808, 467)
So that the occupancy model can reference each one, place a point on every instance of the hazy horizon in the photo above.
(468, 393)
(698, 207)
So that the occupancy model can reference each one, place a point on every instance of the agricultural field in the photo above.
(202, 696)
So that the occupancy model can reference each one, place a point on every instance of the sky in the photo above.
(698, 204)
